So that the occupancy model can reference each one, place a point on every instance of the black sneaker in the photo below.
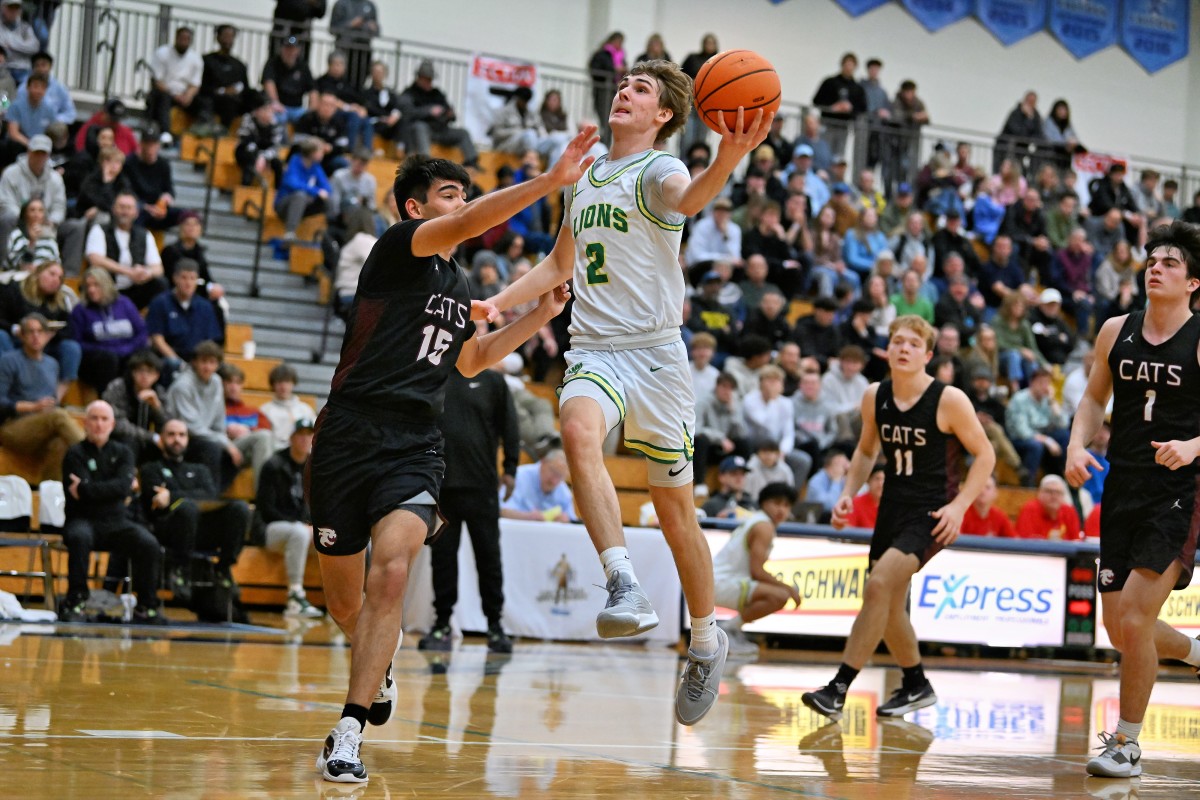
(498, 641)
(440, 639)
(827, 700)
(904, 700)
(385, 700)
(71, 609)
(180, 583)
(143, 615)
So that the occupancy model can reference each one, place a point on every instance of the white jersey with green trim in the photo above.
(627, 280)
(733, 560)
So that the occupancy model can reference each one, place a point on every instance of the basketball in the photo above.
(731, 79)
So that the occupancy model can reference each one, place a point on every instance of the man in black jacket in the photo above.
(284, 511)
(479, 414)
(99, 477)
(841, 99)
(426, 117)
(225, 80)
(183, 504)
(152, 182)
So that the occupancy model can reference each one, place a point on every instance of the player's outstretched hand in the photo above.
(749, 134)
(484, 310)
(575, 159)
(949, 519)
(1080, 464)
(555, 300)
(841, 512)
(1173, 454)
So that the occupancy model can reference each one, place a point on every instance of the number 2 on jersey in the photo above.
(435, 344)
(904, 462)
(595, 266)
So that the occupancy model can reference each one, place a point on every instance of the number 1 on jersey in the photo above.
(1149, 411)
(904, 462)
(595, 266)
(434, 348)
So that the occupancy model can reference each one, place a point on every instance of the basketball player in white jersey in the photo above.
(620, 243)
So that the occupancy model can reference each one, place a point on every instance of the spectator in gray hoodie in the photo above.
(816, 420)
(32, 176)
(720, 430)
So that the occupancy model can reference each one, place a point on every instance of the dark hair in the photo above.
(523, 93)
(874, 62)
(727, 379)
(226, 27)
(853, 352)
(41, 55)
(908, 85)
(36, 78)
(183, 29)
(232, 373)
(767, 443)
(144, 358)
(186, 265)
(417, 175)
(1170, 183)
(283, 372)
(1184, 237)
(777, 491)
(753, 345)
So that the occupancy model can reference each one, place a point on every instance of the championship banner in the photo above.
(553, 583)
(937, 14)
(1155, 32)
(856, 8)
(1084, 27)
(1010, 21)
(489, 85)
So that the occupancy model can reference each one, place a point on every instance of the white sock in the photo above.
(616, 559)
(1130, 730)
(296, 589)
(704, 635)
(1193, 657)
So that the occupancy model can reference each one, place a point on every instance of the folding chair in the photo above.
(16, 514)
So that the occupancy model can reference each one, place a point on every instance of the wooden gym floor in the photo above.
(106, 712)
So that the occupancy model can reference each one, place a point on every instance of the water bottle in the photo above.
(4, 103)
(129, 602)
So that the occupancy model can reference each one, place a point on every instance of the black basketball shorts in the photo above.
(907, 528)
(361, 470)
(1147, 523)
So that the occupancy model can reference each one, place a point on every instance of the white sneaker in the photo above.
(298, 606)
(700, 682)
(1121, 758)
(339, 760)
(628, 611)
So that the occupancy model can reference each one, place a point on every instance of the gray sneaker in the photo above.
(627, 612)
(700, 682)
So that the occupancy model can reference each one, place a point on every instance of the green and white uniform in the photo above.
(626, 351)
(732, 583)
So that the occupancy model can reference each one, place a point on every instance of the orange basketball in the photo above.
(731, 79)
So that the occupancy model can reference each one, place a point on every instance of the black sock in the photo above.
(845, 676)
(914, 676)
(356, 713)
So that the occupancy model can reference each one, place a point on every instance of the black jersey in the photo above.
(406, 328)
(923, 463)
(1156, 393)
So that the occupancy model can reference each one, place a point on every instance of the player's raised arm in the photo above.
(475, 218)
(1089, 416)
(865, 456)
(963, 423)
(548, 273)
(480, 352)
(690, 196)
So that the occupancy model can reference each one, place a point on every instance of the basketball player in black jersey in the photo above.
(376, 464)
(1149, 362)
(922, 427)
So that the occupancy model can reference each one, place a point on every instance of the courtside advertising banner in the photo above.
(992, 599)
(553, 583)
(490, 83)
(830, 577)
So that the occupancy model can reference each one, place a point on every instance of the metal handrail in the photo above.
(261, 208)
(109, 15)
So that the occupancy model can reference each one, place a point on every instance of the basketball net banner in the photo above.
(490, 83)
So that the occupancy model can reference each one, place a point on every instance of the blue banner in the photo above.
(1084, 27)
(937, 14)
(1010, 21)
(1155, 32)
(856, 8)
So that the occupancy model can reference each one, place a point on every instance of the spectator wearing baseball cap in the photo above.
(32, 176)
(107, 116)
(732, 500)
(287, 81)
(1054, 336)
(804, 162)
(714, 237)
(427, 117)
(284, 512)
(895, 213)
